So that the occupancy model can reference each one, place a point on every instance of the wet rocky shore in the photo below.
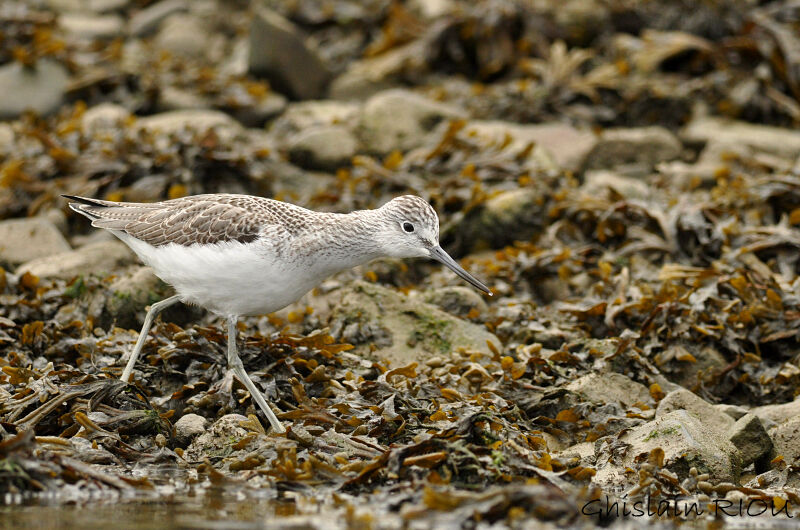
(625, 176)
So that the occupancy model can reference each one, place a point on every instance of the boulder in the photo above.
(610, 387)
(686, 440)
(150, 18)
(777, 414)
(278, 51)
(39, 88)
(564, 144)
(387, 324)
(683, 399)
(750, 438)
(786, 438)
(323, 147)
(31, 238)
(400, 120)
(98, 258)
(189, 426)
(640, 146)
(776, 140)
(457, 300)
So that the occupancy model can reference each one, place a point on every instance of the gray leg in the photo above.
(155, 309)
(235, 364)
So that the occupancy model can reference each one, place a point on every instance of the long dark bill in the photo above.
(440, 255)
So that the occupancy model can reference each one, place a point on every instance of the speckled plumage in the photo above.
(239, 255)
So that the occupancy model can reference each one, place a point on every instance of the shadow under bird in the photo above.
(239, 255)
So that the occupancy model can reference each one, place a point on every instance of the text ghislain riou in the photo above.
(648, 507)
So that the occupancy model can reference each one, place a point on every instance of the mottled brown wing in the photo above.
(194, 220)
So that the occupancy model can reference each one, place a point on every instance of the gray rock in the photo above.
(39, 88)
(777, 414)
(683, 399)
(268, 107)
(641, 146)
(172, 98)
(304, 115)
(96, 258)
(564, 144)
(610, 387)
(194, 119)
(598, 182)
(457, 300)
(400, 120)
(776, 140)
(786, 438)
(688, 374)
(91, 26)
(366, 77)
(687, 442)
(515, 215)
(750, 438)
(189, 426)
(183, 34)
(323, 147)
(734, 411)
(217, 439)
(7, 139)
(148, 19)
(104, 117)
(131, 292)
(23, 240)
(403, 329)
(278, 51)
(105, 6)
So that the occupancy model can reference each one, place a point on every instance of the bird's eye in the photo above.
(408, 227)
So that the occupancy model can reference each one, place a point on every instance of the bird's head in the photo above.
(410, 229)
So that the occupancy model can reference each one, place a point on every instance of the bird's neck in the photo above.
(354, 241)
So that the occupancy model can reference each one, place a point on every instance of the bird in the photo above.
(240, 255)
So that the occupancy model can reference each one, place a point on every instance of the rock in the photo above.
(777, 414)
(457, 300)
(640, 146)
(199, 120)
(148, 19)
(104, 117)
(400, 120)
(515, 215)
(39, 88)
(217, 439)
(597, 183)
(105, 6)
(750, 438)
(90, 26)
(23, 240)
(7, 139)
(687, 365)
(366, 77)
(323, 147)
(304, 115)
(786, 438)
(131, 292)
(183, 34)
(565, 145)
(776, 140)
(683, 399)
(268, 107)
(686, 441)
(610, 387)
(580, 21)
(734, 411)
(172, 98)
(402, 329)
(279, 52)
(96, 258)
(189, 426)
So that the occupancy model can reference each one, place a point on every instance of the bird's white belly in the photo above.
(227, 278)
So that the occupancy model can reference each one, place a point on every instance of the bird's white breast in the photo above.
(228, 278)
